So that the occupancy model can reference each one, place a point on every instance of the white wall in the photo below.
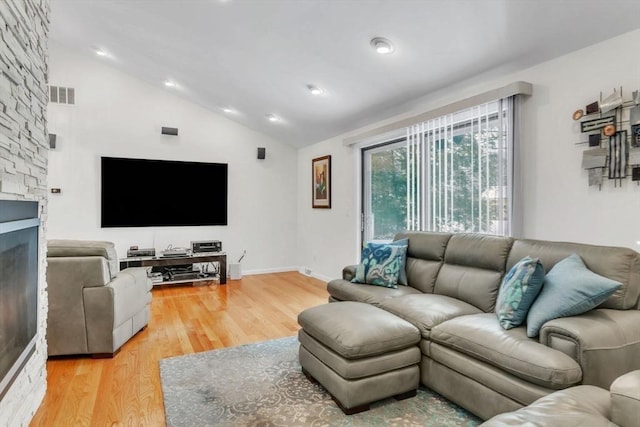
(117, 115)
(327, 238)
(558, 204)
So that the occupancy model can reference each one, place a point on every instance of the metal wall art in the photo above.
(611, 102)
(634, 162)
(618, 153)
(612, 126)
(595, 124)
(594, 161)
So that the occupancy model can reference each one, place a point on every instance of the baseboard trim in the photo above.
(304, 271)
(269, 270)
(310, 273)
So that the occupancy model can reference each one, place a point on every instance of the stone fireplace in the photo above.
(23, 177)
(19, 224)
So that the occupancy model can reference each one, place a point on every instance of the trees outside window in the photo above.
(449, 174)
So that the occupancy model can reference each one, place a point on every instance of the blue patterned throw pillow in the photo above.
(380, 264)
(570, 288)
(518, 290)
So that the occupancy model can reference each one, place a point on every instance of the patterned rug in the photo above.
(262, 385)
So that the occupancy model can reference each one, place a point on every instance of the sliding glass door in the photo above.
(384, 180)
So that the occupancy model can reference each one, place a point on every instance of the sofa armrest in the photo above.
(349, 272)
(605, 342)
(625, 400)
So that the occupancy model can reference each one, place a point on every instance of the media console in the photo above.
(182, 276)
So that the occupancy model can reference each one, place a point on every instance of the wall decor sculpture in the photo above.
(596, 124)
(634, 162)
(612, 126)
(618, 153)
(594, 161)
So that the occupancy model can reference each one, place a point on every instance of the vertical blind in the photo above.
(460, 168)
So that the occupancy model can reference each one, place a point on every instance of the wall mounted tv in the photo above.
(162, 193)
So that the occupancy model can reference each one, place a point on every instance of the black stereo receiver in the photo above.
(206, 246)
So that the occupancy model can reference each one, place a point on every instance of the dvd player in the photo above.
(174, 252)
(132, 253)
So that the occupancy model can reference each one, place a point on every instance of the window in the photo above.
(451, 173)
(385, 190)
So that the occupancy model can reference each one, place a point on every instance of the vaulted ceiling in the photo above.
(257, 57)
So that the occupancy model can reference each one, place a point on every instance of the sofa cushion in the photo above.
(377, 331)
(402, 275)
(473, 268)
(364, 366)
(343, 290)
(473, 285)
(519, 288)
(619, 264)
(425, 255)
(583, 405)
(380, 264)
(481, 337)
(78, 248)
(429, 245)
(427, 310)
(570, 288)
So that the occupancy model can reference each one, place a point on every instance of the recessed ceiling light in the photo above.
(382, 45)
(228, 110)
(315, 90)
(101, 52)
(272, 118)
(170, 83)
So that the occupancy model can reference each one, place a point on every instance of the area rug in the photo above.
(262, 385)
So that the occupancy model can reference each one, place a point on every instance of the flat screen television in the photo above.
(162, 193)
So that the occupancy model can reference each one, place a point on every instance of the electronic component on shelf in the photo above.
(155, 276)
(174, 252)
(206, 246)
(184, 275)
(131, 253)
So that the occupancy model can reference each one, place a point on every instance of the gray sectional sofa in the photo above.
(453, 283)
(581, 406)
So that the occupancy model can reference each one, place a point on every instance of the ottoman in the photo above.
(359, 353)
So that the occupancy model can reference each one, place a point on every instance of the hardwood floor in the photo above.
(125, 390)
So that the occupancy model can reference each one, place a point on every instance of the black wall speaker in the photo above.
(169, 131)
(262, 153)
(52, 140)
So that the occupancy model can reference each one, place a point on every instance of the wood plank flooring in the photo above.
(125, 390)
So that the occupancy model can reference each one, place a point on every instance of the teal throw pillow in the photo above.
(380, 264)
(569, 289)
(519, 288)
(402, 277)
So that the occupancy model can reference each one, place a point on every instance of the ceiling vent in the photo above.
(62, 95)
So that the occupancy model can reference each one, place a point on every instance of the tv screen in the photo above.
(162, 193)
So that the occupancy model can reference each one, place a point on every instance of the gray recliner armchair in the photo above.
(581, 406)
(93, 308)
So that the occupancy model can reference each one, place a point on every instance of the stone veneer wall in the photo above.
(24, 27)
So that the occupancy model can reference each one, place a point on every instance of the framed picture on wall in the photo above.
(321, 179)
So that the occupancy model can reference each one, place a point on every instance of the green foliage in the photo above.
(467, 181)
(389, 192)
